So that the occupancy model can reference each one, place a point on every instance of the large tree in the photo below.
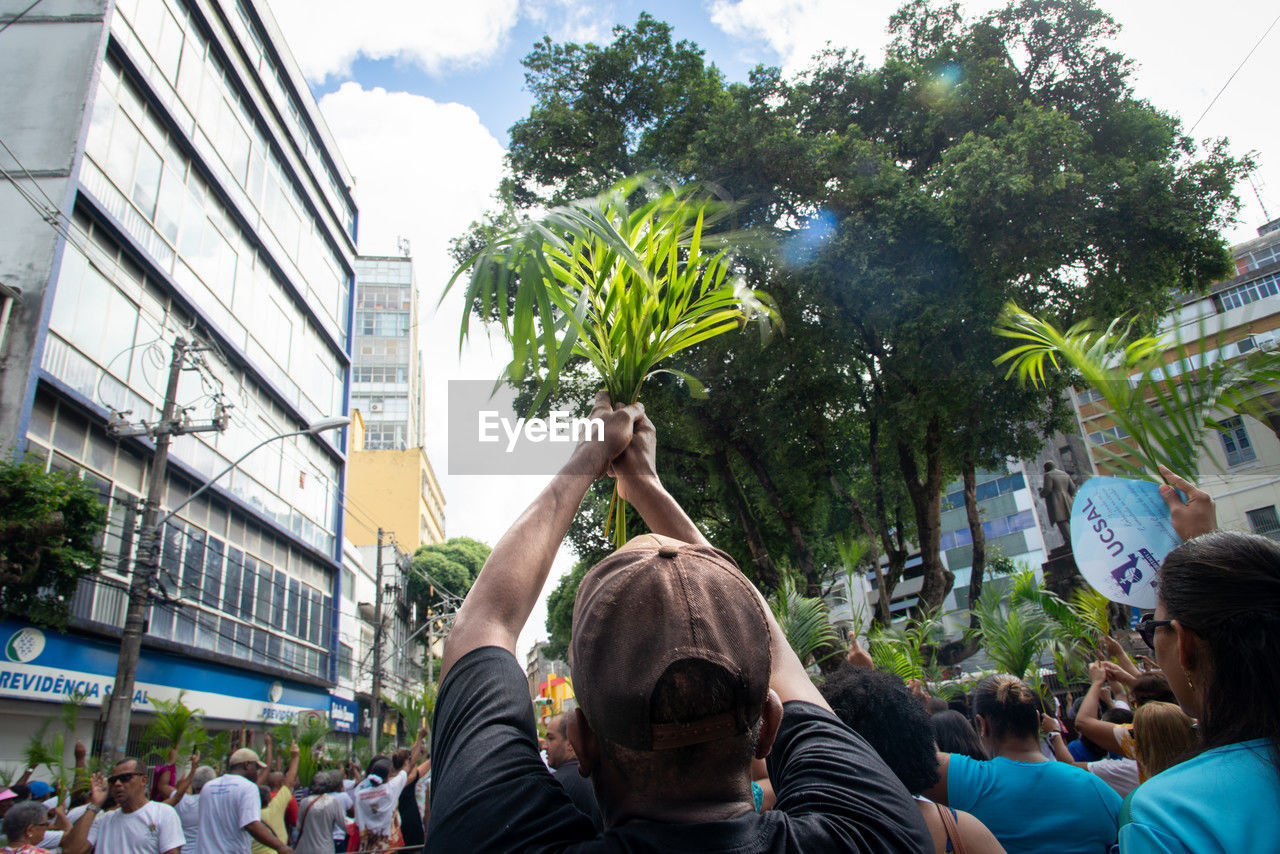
(983, 160)
(50, 526)
(444, 572)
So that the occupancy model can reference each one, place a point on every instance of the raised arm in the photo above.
(504, 593)
(184, 782)
(1088, 720)
(291, 775)
(76, 840)
(638, 482)
(1114, 650)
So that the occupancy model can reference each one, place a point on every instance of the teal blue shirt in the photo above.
(1036, 806)
(1225, 800)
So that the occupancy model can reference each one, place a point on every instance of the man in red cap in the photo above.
(682, 678)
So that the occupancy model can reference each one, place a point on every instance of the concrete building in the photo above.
(386, 361)
(170, 176)
(1013, 520)
(391, 483)
(1241, 469)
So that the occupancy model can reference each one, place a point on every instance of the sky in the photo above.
(419, 95)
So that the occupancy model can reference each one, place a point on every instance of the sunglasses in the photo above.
(1146, 629)
(123, 778)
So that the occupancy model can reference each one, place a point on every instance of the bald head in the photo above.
(274, 781)
(559, 750)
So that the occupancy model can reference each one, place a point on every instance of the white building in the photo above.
(172, 176)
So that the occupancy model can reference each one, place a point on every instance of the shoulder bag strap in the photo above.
(953, 829)
(302, 819)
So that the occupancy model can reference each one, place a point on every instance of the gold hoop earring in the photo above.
(1189, 685)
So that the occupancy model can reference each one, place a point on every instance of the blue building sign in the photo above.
(344, 715)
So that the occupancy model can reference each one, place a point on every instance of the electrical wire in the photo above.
(19, 17)
(1256, 45)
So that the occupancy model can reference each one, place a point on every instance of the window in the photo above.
(1241, 295)
(345, 656)
(1264, 521)
(1235, 441)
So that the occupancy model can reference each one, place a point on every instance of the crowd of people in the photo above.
(698, 728)
(251, 807)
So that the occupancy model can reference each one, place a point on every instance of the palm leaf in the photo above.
(1166, 393)
(175, 726)
(803, 620)
(624, 280)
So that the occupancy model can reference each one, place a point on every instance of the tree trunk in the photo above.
(969, 476)
(766, 570)
(804, 554)
(881, 614)
(926, 502)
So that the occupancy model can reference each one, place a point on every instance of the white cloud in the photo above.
(425, 170)
(325, 36)
(797, 29)
(572, 20)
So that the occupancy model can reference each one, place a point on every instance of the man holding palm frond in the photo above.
(683, 677)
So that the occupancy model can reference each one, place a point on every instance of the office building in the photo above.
(201, 197)
(391, 483)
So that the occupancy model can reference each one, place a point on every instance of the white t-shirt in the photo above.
(1119, 774)
(376, 804)
(189, 814)
(348, 803)
(73, 814)
(152, 829)
(228, 805)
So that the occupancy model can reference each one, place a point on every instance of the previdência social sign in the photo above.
(1120, 534)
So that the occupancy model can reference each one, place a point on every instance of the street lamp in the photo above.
(315, 429)
(120, 707)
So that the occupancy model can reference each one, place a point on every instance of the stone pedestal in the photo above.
(1061, 576)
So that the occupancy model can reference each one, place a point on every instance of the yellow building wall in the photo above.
(394, 490)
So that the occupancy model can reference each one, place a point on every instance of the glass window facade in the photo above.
(385, 381)
(1242, 295)
(227, 586)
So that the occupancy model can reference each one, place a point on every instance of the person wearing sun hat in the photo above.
(231, 810)
(682, 677)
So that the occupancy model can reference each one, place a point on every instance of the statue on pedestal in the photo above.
(1058, 491)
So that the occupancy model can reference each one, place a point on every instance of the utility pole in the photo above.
(376, 703)
(146, 567)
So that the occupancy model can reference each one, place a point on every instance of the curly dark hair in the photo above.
(883, 711)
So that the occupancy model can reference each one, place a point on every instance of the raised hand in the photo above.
(1192, 517)
(98, 790)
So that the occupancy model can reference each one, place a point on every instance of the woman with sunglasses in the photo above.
(1216, 635)
(25, 825)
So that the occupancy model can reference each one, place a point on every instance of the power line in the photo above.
(1233, 74)
(13, 21)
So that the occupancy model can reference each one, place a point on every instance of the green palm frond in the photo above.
(624, 280)
(40, 750)
(1013, 637)
(1162, 391)
(893, 657)
(176, 726)
(803, 620)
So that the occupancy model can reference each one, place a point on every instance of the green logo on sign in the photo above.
(25, 645)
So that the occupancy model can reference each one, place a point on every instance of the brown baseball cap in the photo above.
(641, 610)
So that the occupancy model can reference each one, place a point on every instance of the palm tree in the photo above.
(1073, 629)
(1012, 635)
(803, 620)
(1163, 404)
(623, 280)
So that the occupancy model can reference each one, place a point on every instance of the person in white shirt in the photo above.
(376, 799)
(231, 810)
(139, 826)
(188, 807)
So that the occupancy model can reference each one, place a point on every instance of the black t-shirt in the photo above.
(410, 818)
(580, 791)
(491, 792)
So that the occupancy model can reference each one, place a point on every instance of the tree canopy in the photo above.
(985, 160)
(444, 572)
(50, 524)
